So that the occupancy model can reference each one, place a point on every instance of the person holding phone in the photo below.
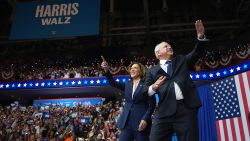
(135, 119)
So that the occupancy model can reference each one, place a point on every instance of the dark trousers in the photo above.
(129, 134)
(184, 122)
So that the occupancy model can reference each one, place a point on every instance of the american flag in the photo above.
(232, 104)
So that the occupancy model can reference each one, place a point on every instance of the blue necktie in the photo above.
(169, 68)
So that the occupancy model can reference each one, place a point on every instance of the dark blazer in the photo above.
(181, 68)
(140, 107)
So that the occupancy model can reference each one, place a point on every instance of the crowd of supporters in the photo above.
(64, 68)
(60, 123)
(58, 67)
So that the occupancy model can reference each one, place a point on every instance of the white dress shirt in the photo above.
(135, 85)
(178, 92)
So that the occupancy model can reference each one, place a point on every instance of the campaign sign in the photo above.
(55, 19)
(71, 102)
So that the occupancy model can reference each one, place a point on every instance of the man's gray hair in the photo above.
(158, 46)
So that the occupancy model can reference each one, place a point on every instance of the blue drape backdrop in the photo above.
(206, 115)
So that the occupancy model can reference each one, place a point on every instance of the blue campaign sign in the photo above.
(55, 19)
(68, 101)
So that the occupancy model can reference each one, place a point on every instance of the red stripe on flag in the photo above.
(244, 99)
(225, 130)
(233, 129)
(218, 130)
(248, 77)
(241, 129)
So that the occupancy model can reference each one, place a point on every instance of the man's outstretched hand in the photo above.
(200, 29)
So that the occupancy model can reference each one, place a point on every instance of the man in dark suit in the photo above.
(178, 97)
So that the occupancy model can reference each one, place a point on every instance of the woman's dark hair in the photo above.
(142, 69)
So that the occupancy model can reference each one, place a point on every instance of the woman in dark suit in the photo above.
(135, 119)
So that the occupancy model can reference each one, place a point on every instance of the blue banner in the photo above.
(56, 19)
(68, 102)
